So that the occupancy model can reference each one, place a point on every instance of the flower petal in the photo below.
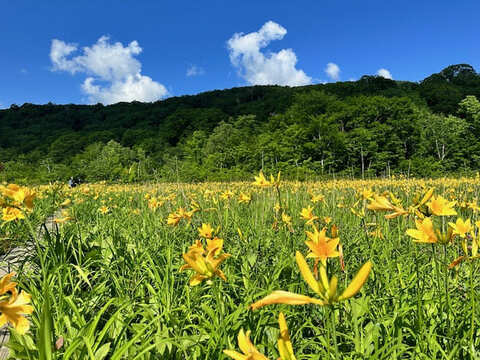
(285, 297)
(357, 281)
(306, 273)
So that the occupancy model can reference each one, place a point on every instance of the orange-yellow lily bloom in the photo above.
(321, 246)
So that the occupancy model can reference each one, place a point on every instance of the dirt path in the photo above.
(11, 262)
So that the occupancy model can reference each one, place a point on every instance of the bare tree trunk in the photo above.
(438, 149)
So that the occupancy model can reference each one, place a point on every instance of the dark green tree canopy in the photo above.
(362, 128)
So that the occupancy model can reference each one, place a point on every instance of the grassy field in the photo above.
(170, 271)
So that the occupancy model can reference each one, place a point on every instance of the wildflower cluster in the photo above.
(175, 217)
(15, 201)
(204, 261)
(14, 305)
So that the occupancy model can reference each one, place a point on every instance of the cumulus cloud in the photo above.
(113, 72)
(333, 71)
(258, 68)
(194, 70)
(384, 73)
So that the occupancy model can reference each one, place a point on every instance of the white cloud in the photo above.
(258, 68)
(24, 71)
(114, 74)
(194, 70)
(333, 71)
(384, 73)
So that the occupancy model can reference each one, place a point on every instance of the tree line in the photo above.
(370, 127)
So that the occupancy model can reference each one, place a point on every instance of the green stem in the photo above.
(447, 302)
(279, 198)
(329, 330)
(334, 331)
(419, 296)
(37, 244)
(472, 300)
(437, 272)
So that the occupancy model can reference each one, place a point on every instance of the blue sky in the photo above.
(144, 49)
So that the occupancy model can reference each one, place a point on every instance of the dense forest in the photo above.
(370, 127)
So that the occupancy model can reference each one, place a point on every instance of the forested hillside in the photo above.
(369, 127)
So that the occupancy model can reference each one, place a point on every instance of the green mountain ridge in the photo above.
(368, 127)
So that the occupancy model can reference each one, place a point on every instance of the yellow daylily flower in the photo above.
(275, 182)
(277, 207)
(317, 198)
(173, 219)
(206, 231)
(226, 195)
(366, 194)
(381, 203)
(440, 206)
(103, 210)
(215, 244)
(307, 214)
(154, 204)
(244, 198)
(13, 311)
(286, 219)
(250, 352)
(12, 214)
(6, 285)
(20, 194)
(13, 308)
(325, 288)
(205, 266)
(66, 202)
(424, 233)
(260, 180)
(461, 227)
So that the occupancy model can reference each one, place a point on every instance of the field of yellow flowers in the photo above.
(267, 269)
